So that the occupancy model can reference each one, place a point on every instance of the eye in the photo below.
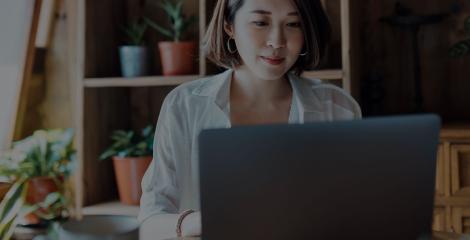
(260, 23)
(294, 24)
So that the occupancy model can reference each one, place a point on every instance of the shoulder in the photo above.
(321, 88)
(329, 94)
(200, 87)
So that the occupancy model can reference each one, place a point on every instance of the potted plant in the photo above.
(131, 154)
(134, 55)
(37, 168)
(462, 48)
(177, 56)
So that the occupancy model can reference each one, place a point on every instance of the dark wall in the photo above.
(383, 60)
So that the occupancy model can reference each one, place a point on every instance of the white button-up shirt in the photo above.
(171, 181)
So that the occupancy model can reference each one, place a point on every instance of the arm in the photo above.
(159, 226)
(162, 226)
(160, 200)
(161, 185)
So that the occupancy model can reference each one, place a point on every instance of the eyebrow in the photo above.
(269, 13)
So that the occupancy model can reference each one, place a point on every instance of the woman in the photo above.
(265, 45)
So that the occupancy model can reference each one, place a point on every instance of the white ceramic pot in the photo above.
(99, 227)
(134, 61)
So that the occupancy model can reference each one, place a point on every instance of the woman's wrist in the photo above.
(179, 223)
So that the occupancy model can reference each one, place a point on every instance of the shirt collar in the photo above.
(218, 89)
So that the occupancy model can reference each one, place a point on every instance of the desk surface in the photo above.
(436, 236)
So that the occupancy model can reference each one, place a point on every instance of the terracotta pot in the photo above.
(178, 58)
(4, 187)
(129, 173)
(38, 189)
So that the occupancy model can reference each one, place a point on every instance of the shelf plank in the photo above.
(329, 74)
(149, 81)
(111, 208)
(146, 81)
(455, 130)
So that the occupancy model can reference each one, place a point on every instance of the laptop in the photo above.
(361, 179)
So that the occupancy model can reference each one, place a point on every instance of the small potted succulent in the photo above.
(462, 48)
(37, 168)
(134, 54)
(177, 56)
(131, 154)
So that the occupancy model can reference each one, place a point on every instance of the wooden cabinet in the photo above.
(441, 217)
(452, 202)
(441, 221)
(460, 167)
(461, 220)
(440, 172)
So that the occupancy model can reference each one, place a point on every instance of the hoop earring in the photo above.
(229, 47)
(303, 54)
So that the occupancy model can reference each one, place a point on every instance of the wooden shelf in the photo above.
(455, 130)
(147, 81)
(329, 74)
(111, 208)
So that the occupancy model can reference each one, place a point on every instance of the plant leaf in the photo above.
(6, 232)
(50, 199)
(169, 8)
(157, 27)
(10, 208)
(12, 197)
(108, 153)
(460, 49)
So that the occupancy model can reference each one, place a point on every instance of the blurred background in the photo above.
(101, 66)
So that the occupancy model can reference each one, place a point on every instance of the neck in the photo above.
(248, 87)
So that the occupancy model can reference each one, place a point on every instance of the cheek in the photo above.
(296, 42)
(253, 38)
(249, 44)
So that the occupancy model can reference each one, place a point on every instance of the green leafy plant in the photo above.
(128, 144)
(178, 21)
(135, 32)
(462, 48)
(47, 153)
(12, 208)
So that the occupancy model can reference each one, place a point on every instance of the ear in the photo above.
(228, 29)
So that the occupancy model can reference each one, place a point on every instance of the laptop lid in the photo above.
(363, 179)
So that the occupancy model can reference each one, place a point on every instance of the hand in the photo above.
(191, 225)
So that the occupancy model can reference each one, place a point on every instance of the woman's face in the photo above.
(268, 37)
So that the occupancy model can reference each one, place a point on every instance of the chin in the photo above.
(269, 74)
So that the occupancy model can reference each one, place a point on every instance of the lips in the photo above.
(273, 60)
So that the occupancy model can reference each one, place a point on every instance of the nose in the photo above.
(276, 38)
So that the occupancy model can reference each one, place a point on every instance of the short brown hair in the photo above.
(314, 21)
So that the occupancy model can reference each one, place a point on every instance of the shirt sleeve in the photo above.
(160, 189)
